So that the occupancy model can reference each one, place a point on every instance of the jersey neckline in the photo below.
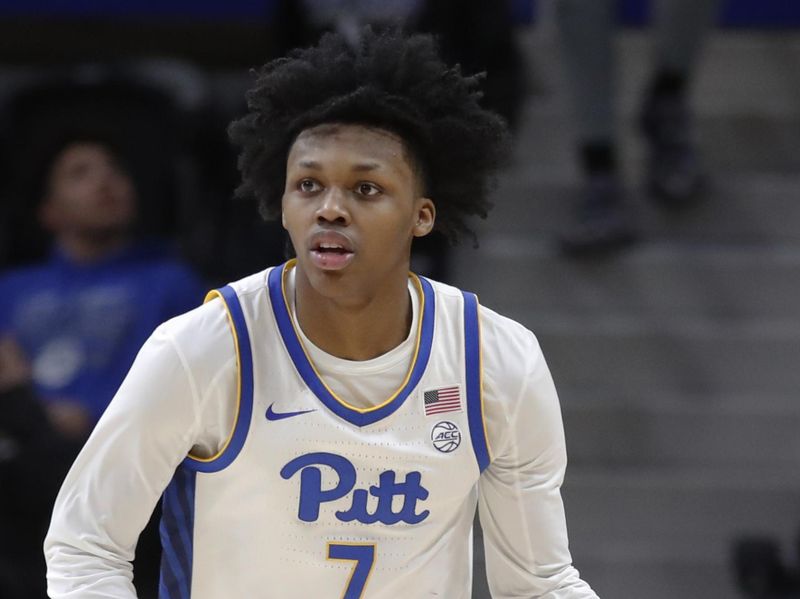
(276, 284)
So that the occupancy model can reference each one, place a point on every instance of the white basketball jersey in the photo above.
(312, 498)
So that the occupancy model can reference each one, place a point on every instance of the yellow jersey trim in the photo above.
(211, 295)
(418, 287)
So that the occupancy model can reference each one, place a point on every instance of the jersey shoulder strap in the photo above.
(474, 381)
(244, 392)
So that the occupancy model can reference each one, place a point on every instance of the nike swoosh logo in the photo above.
(273, 415)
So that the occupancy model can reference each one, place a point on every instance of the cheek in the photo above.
(68, 210)
(286, 212)
(75, 198)
(392, 229)
(289, 210)
(292, 216)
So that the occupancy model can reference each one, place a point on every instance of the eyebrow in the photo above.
(358, 168)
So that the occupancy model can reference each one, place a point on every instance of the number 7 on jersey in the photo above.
(363, 554)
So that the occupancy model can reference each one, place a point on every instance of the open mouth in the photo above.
(331, 248)
(331, 254)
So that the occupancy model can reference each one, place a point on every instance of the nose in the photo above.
(104, 180)
(333, 207)
(105, 177)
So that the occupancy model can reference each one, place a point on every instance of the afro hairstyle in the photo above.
(388, 81)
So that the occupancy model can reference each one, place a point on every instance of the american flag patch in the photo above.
(445, 399)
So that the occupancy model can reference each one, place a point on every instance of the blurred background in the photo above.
(647, 230)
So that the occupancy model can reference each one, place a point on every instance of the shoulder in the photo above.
(171, 270)
(444, 292)
(153, 261)
(505, 343)
(252, 286)
(519, 397)
(24, 278)
(203, 339)
(206, 330)
(509, 350)
(514, 374)
(167, 275)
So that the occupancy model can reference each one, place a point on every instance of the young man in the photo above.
(81, 316)
(70, 328)
(338, 442)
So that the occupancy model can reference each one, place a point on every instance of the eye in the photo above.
(368, 189)
(309, 186)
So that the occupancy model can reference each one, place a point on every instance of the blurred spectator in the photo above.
(70, 328)
(81, 316)
(674, 173)
(160, 116)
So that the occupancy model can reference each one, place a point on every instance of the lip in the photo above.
(330, 261)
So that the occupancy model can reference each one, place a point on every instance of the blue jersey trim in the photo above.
(472, 359)
(177, 536)
(244, 358)
(306, 370)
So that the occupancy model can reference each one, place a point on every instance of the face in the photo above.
(352, 205)
(88, 193)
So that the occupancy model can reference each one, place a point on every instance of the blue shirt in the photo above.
(81, 325)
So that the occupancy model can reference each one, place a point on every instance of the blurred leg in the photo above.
(675, 175)
(681, 28)
(586, 30)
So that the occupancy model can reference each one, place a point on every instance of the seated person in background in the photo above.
(81, 316)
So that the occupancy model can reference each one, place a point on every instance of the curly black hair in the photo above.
(390, 81)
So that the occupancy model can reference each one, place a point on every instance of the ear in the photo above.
(283, 220)
(426, 217)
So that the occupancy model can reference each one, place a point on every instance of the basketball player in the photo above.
(325, 428)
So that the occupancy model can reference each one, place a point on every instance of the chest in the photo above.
(399, 470)
(310, 458)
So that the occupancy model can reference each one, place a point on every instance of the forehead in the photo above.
(79, 153)
(350, 143)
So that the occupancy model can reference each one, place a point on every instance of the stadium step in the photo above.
(676, 362)
(742, 209)
(659, 579)
(637, 356)
(657, 281)
(676, 510)
(682, 430)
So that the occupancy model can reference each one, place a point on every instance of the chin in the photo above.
(327, 283)
(108, 231)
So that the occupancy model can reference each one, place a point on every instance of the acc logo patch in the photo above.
(445, 436)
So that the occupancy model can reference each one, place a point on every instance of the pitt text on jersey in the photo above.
(312, 495)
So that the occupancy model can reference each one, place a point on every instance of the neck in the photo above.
(357, 329)
(91, 248)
